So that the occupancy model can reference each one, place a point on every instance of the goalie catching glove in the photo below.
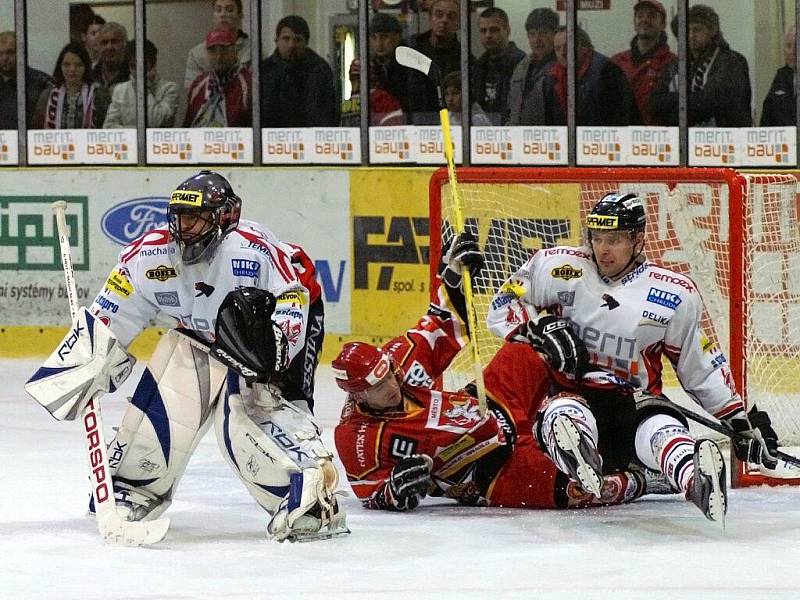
(89, 360)
(407, 485)
(462, 252)
(247, 339)
(554, 337)
(756, 441)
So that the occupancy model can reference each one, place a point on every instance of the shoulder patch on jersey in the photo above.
(513, 287)
(293, 298)
(106, 303)
(566, 251)
(170, 298)
(245, 268)
(664, 298)
(706, 345)
(119, 284)
(566, 272)
(566, 298)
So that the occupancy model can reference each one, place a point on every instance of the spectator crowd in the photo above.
(93, 82)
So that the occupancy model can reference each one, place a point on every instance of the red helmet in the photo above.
(359, 366)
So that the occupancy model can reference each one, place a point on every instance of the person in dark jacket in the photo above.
(297, 86)
(719, 79)
(779, 106)
(491, 73)
(36, 81)
(649, 54)
(526, 92)
(603, 96)
(441, 45)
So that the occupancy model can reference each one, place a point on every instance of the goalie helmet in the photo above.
(359, 366)
(202, 210)
(623, 212)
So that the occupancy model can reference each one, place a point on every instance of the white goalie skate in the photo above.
(311, 511)
(708, 488)
(578, 455)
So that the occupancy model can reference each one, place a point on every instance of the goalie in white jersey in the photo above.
(229, 285)
(603, 316)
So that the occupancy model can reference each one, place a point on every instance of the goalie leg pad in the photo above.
(166, 418)
(276, 450)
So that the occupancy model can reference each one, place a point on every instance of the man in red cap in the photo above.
(222, 96)
(401, 437)
(649, 54)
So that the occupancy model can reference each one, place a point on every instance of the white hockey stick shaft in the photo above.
(113, 529)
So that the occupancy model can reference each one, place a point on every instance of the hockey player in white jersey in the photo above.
(604, 315)
(231, 289)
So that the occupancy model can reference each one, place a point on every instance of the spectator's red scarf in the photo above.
(559, 74)
(55, 107)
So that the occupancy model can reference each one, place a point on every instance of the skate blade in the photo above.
(711, 463)
(568, 439)
(318, 535)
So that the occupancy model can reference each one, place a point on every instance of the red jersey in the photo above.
(493, 460)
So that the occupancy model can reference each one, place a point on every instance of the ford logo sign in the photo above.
(131, 219)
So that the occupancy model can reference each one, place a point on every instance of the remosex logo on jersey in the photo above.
(161, 273)
(245, 268)
(662, 298)
(610, 302)
(203, 289)
(566, 272)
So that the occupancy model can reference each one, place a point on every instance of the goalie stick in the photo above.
(408, 57)
(720, 427)
(112, 527)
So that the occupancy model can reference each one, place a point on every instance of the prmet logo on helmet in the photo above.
(186, 198)
(602, 222)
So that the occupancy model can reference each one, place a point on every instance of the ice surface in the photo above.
(659, 547)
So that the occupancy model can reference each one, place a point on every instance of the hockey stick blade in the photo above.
(117, 532)
(408, 57)
(730, 433)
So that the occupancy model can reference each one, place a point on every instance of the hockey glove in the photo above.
(247, 339)
(554, 337)
(462, 251)
(408, 483)
(757, 441)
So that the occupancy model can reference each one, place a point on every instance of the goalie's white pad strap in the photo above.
(166, 418)
(88, 360)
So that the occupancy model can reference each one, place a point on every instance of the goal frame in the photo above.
(737, 185)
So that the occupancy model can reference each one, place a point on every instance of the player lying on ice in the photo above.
(607, 305)
(400, 439)
(222, 281)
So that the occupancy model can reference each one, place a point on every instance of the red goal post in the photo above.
(735, 234)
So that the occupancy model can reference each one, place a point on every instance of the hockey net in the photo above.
(736, 235)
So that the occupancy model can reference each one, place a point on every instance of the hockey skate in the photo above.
(578, 455)
(708, 488)
(311, 511)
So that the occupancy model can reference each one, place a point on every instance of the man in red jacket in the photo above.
(649, 54)
(222, 97)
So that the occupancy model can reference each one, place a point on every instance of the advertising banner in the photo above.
(314, 145)
(108, 209)
(519, 145)
(9, 147)
(212, 145)
(82, 146)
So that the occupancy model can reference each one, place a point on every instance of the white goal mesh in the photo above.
(735, 235)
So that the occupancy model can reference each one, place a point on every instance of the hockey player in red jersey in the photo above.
(400, 438)
(606, 305)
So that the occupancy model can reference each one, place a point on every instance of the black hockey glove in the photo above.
(462, 251)
(554, 337)
(408, 483)
(247, 339)
(757, 441)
